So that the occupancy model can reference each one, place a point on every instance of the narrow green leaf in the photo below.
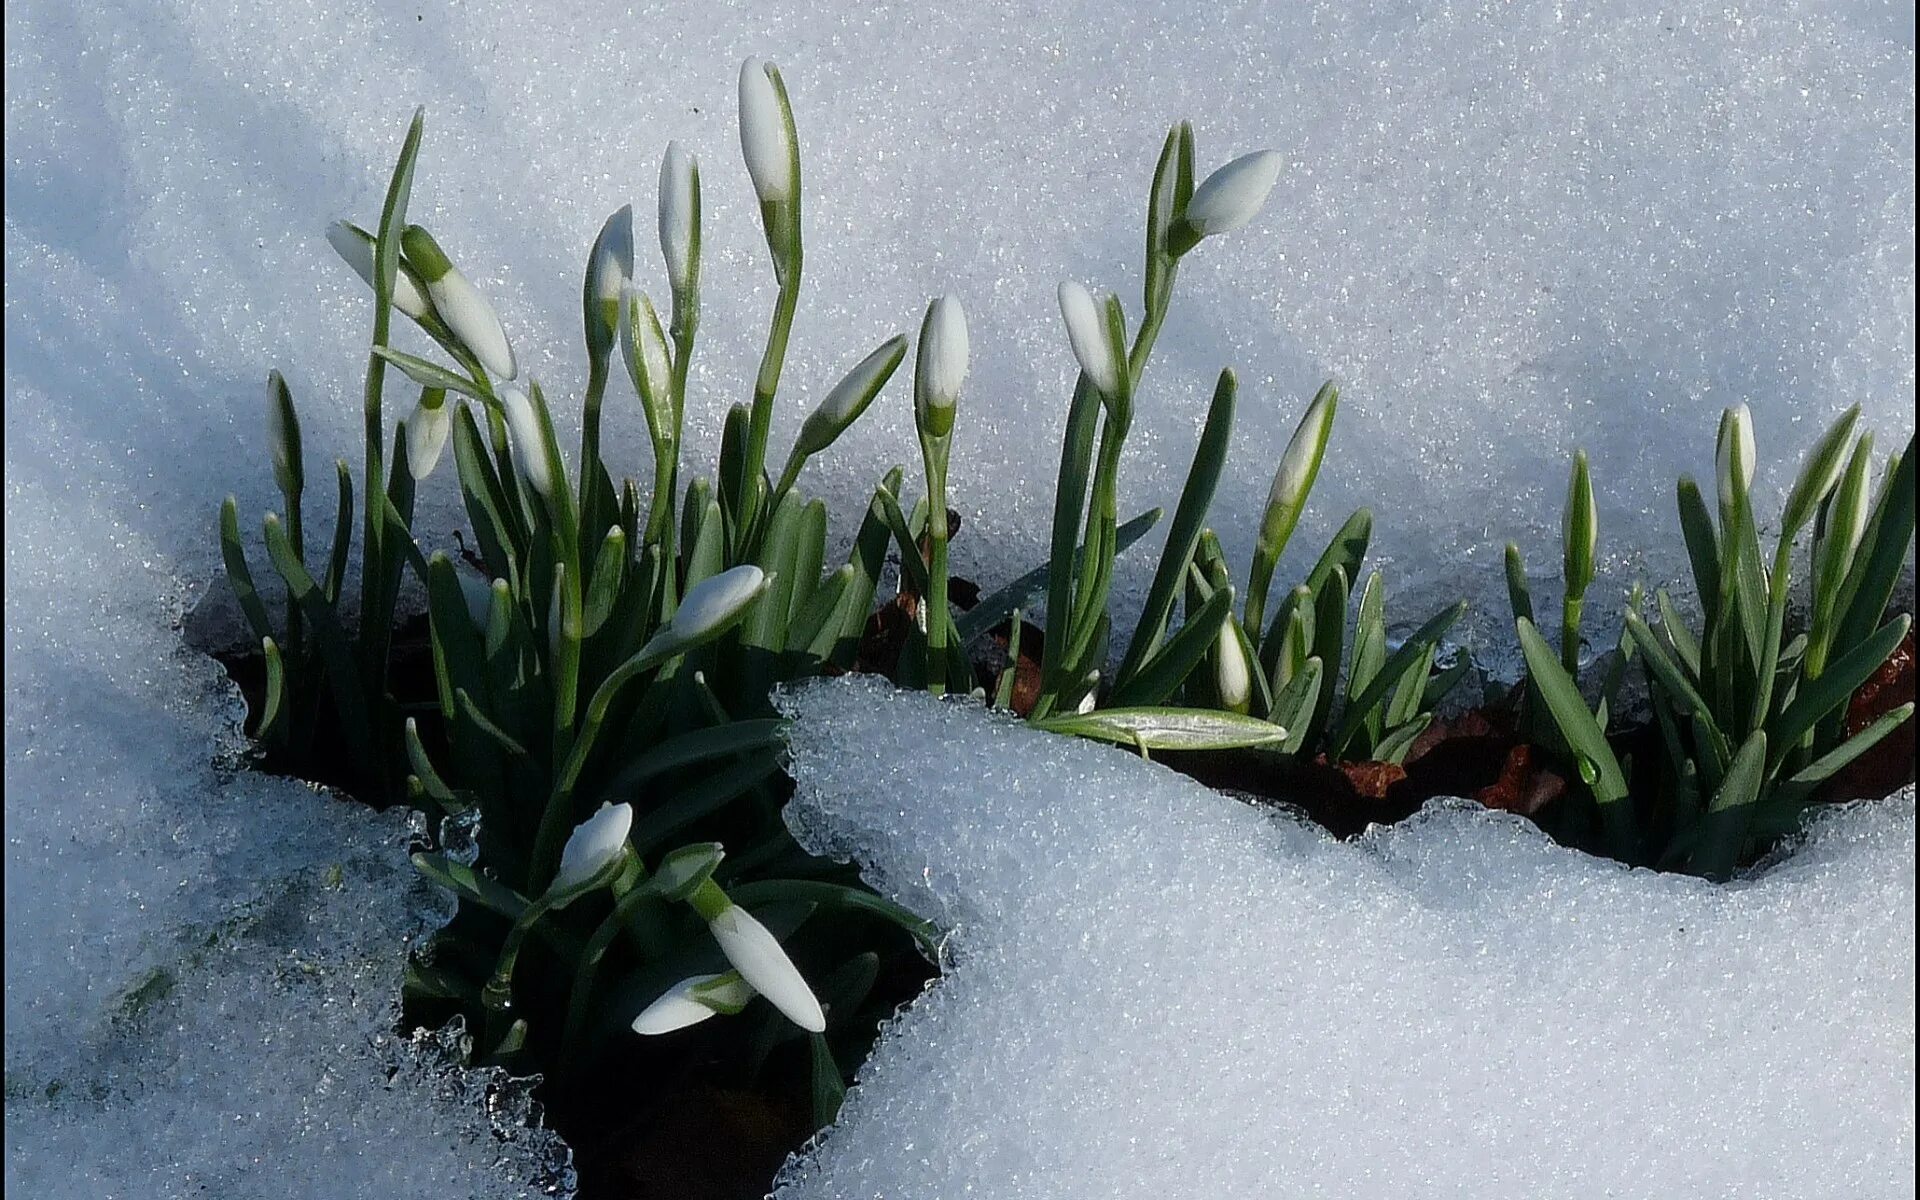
(1843, 677)
(1167, 728)
(1422, 642)
(1587, 740)
(1170, 666)
(1730, 813)
(239, 575)
(997, 605)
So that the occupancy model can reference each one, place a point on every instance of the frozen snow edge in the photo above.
(1154, 987)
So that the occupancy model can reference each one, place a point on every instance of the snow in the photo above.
(1157, 990)
(1504, 226)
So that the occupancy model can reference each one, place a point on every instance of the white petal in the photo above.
(355, 246)
(1231, 674)
(474, 322)
(677, 212)
(1087, 334)
(596, 844)
(1232, 195)
(763, 133)
(757, 955)
(529, 449)
(714, 601)
(675, 1009)
(1303, 453)
(610, 268)
(427, 430)
(943, 356)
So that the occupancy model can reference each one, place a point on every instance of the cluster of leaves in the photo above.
(1750, 723)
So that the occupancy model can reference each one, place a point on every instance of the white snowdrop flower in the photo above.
(1735, 453)
(427, 429)
(465, 311)
(1232, 195)
(595, 845)
(763, 134)
(610, 267)
(851, 396)
(356, 246)
(692, 1001)
(529, 446)
(757, 955)
(941, 367)
(715, 602)
(679, 213)
(1232, 674)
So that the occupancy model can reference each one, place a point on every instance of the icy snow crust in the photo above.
(1156, 990)
(1504, 226)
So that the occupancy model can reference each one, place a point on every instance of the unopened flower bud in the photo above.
(465, 311)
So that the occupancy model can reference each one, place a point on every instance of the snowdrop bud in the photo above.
(1298, 468)
(679, 215)
(692, 1001)
(644, 345)
(356, 246)
(1232, 674)
(283, 437)
(764, 139)
(1232, 195)
(941, 366)
(1821, 471)
(1579, 529)
(715, 603)
(460, 304)
(609, 271)
(1093, 694)
(757, 955)
(529, 444)
(595, 847)
(1087, 334)
(1734, 455)
(850, 397)
(427, 429)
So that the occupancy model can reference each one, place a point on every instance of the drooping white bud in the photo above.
(679, 213)
(764, 135)
(941, 366)
(1087, 334)
(427, 429)
(692, 1001)
(356, 247)
(1735, 454)
(713, 604)
(610, 268)
(529, 444)
(461, 305)
(1232, 195)
(758, 956)
(595, 846)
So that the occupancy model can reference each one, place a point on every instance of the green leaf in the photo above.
(1070, 495)
(349, 698)
(1189, 516)
(998, 605)
(1400, 738)
(1587, 740)
(430, 374)
(1422, 642)
(1883, 549)
(273, 715)
(1703, 545)
(1667, 674)
(336, 577)
(465, 705)
(1830, 763)
(1519, 593)
(1678, 635)
(1167, 728)
(1730, 813)
(828, 1090)
(716, 742)
(1293, 707)
(702, 798)
(1843, 677)
(603, 590)
(239, 575)
(1168, 668)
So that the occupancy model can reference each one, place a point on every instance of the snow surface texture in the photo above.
(1504, 226)
(1156, 990)
(1508, 227)
(202, 965)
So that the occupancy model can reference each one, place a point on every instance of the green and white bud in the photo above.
(1846, 525)
(1226, 199)
(357, 247)
(527, 439)
(1734, 456)
(427, 429)
(1087, 333)
(850, 397)
(692, 1001)
(1299, 467)
(758, 956)
(710, 608)
(1232, 673)
(680, 215)
(594, 851)
(941, 366)
(283, 437)
(765, 140)
(465, 311)
(643, 343)
(1819, 473)
(1580, 529)
(609, 273)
